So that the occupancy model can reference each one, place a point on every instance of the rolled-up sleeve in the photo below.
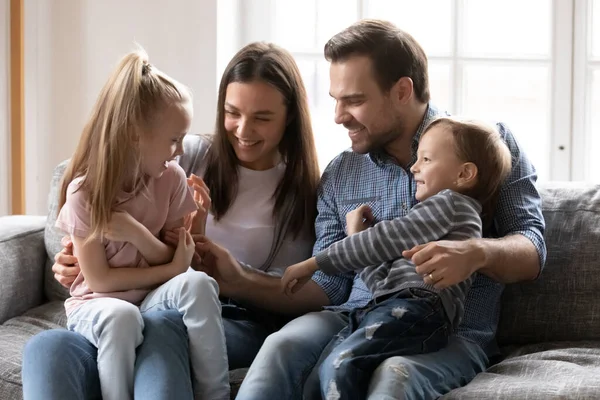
(519, 208)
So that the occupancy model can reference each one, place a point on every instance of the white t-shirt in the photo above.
(248, 227)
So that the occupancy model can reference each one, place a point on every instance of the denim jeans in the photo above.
(411, 322)
(115, 327)
(59, 364)
(288, 356)
(285, 361)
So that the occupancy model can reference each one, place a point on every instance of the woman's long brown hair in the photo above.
(295, 195)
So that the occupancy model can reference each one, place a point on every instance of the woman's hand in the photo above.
(203, 202)
(297, 275)
(221, 265)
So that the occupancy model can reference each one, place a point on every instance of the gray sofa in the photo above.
(549, 329)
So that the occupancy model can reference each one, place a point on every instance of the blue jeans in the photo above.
(115, 328)
(411, 322)
(59, 364)
(288, 356)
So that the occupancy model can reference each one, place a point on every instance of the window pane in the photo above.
(508, 28)
(418, 18)
(332, 17)
(439, 84)
(595, 28)
(593, 171)
(294, 25)
(518, 96)
(331, 139)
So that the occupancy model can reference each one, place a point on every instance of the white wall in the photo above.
(4, 108)
(70, 49)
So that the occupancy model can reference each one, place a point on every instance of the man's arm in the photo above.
(520, 252)
(500, 255)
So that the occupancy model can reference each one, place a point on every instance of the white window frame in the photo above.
(569, 73)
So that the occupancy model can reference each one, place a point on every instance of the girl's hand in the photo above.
(122, 227)
(184, 253)
(296, 276)
(203, 202)
(359, 219)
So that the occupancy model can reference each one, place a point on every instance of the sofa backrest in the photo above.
(564, 302)
(52, 237)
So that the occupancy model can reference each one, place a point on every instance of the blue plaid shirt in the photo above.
(353, 179)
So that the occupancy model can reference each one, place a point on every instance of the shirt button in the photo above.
(404, 206)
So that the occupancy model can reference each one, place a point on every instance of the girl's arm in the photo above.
(123, 227)
(101, 278)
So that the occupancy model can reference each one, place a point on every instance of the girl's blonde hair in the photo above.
(483, 146)
(108, 154)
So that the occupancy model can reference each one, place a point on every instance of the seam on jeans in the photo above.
(167, 302)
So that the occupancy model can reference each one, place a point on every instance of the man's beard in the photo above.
(378, 142)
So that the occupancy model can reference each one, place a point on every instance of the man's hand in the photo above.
(203, 202)
(65, 266)
(122, 227)
(221, 265)
(297, 275)
(446, 262)
(359, 219)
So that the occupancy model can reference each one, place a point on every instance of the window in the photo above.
(512, 61)
(586, 99)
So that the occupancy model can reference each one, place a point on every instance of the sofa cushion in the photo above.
(563, 303)
(52, 238)
(15, 333)
(22, 258)
(560, 370)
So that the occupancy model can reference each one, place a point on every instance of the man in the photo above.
(380, 84)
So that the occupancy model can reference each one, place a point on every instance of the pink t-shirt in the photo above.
(166, 199)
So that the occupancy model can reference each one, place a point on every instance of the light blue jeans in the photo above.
(287, 359)
(61, 365)
(115, 328)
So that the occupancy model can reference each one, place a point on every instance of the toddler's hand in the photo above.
(359, 219)
(296, 276)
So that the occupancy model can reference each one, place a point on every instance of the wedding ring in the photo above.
(430, 276)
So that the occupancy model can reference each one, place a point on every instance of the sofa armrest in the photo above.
(22, 260)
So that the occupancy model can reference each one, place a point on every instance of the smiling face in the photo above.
(255, 120)
(369, 114)
(163, 140)
(438, 167)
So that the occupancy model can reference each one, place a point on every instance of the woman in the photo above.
(262, 172)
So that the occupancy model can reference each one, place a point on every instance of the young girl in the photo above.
(119, 191)
(458, 172)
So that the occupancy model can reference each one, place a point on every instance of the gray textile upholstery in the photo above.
(549, 329)
(564, 303)
(21, 264)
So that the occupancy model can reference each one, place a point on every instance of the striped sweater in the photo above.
(377, 251)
